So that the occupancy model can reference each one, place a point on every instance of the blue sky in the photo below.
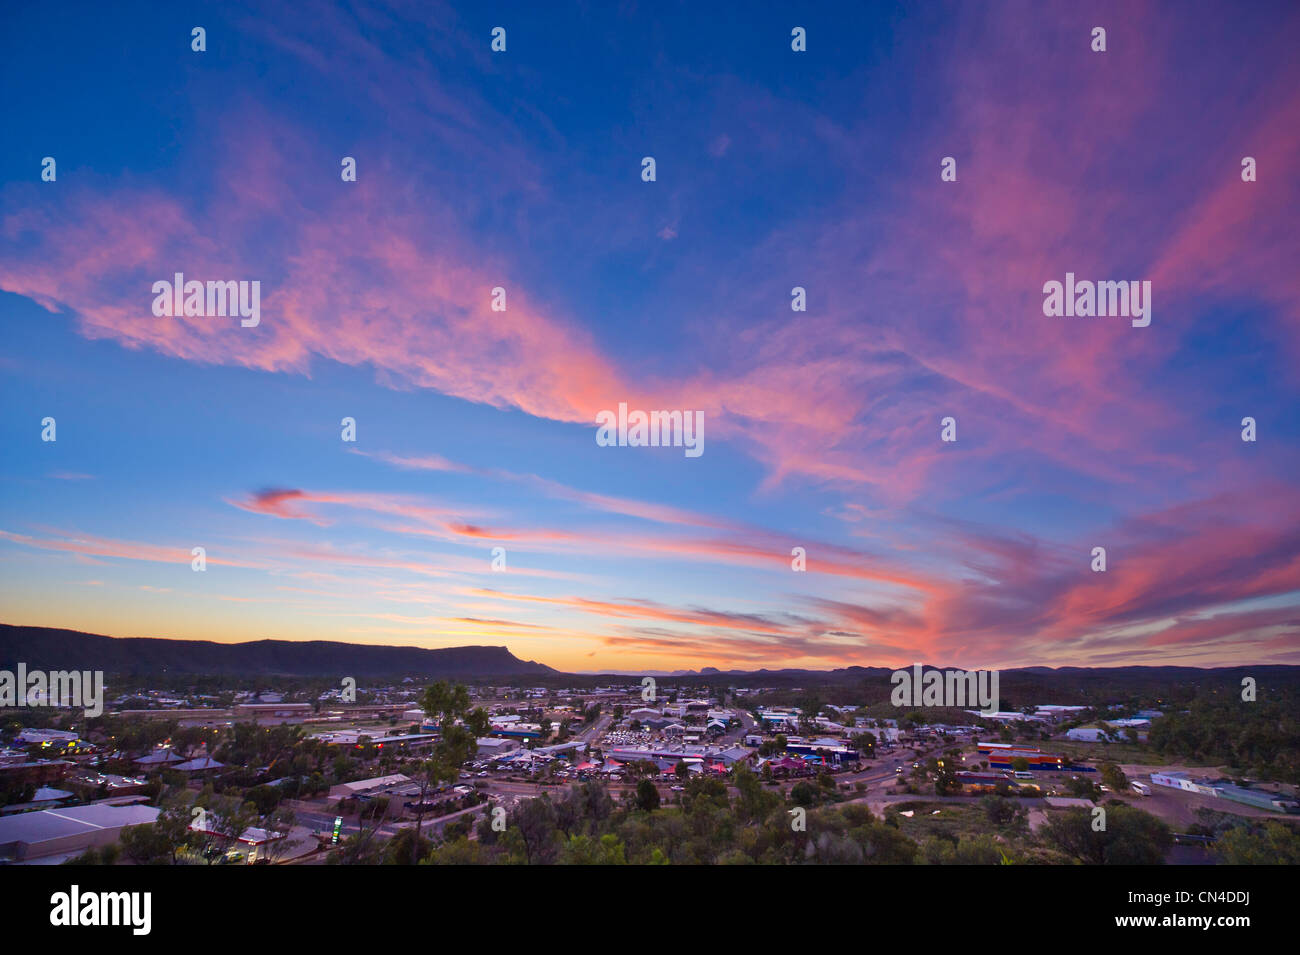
(775, 169)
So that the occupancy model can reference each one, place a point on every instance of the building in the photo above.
(45, 797)
(780, 719)
(521, 731)
(272, 711)
(1088, 734)
(158, 759)
(33, 771)
(493, 747)
(574, 746)
(56, 834)
(989, 779)
(1259, 798)
(1221, 789)
(1053, 711)
(413, 742)
(1010, 716)
(45, 738)
(835, 753)
(1184, 782)
(1002, 755)
(368, 787)
(204, 764)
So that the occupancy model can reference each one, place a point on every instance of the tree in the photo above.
(227, 818)
(1131, 836)
(803, 794)
(647, 796)
(1083, 788)
(1001, 811)
(1271, 844)
(945, 778)
(459, 728)
(865, 743)
(173, 823)
(145, 845)
(279, 821)
(585, 850)
(1114, 777)
(400, 851)
(534, 827)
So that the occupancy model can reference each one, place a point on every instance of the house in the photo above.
(203, 764)
(158, 759)
(45, 797)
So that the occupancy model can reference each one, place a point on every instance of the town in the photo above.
(408, 772)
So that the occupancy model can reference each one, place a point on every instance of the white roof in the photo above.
(361, 785)
(48, 824)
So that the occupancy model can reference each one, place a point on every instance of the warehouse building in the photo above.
(52, 835)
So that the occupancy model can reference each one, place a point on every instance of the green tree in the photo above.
(1114, 777)
(1270, 844)
(173, 823)
(803, 794)
(1131, 836)
(459, 729)
(647, 796)
(145, 845)
(535, 831)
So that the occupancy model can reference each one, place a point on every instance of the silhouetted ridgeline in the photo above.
(50, 649)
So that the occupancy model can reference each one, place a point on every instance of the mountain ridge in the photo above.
(52, 648)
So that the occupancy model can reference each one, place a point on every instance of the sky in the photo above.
(476, 429)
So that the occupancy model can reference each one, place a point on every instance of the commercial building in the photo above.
(57, 834)
(1184, 782)
(492, 746)
(1221, 789)
(1259, 798)
(835, 753)
(1088, 734)
(35, 737)
(1002, 755)
(1053, 711)
(368, 787)
(272, 711)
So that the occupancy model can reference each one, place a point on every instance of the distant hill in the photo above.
(48, 648)
(1021, 686)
